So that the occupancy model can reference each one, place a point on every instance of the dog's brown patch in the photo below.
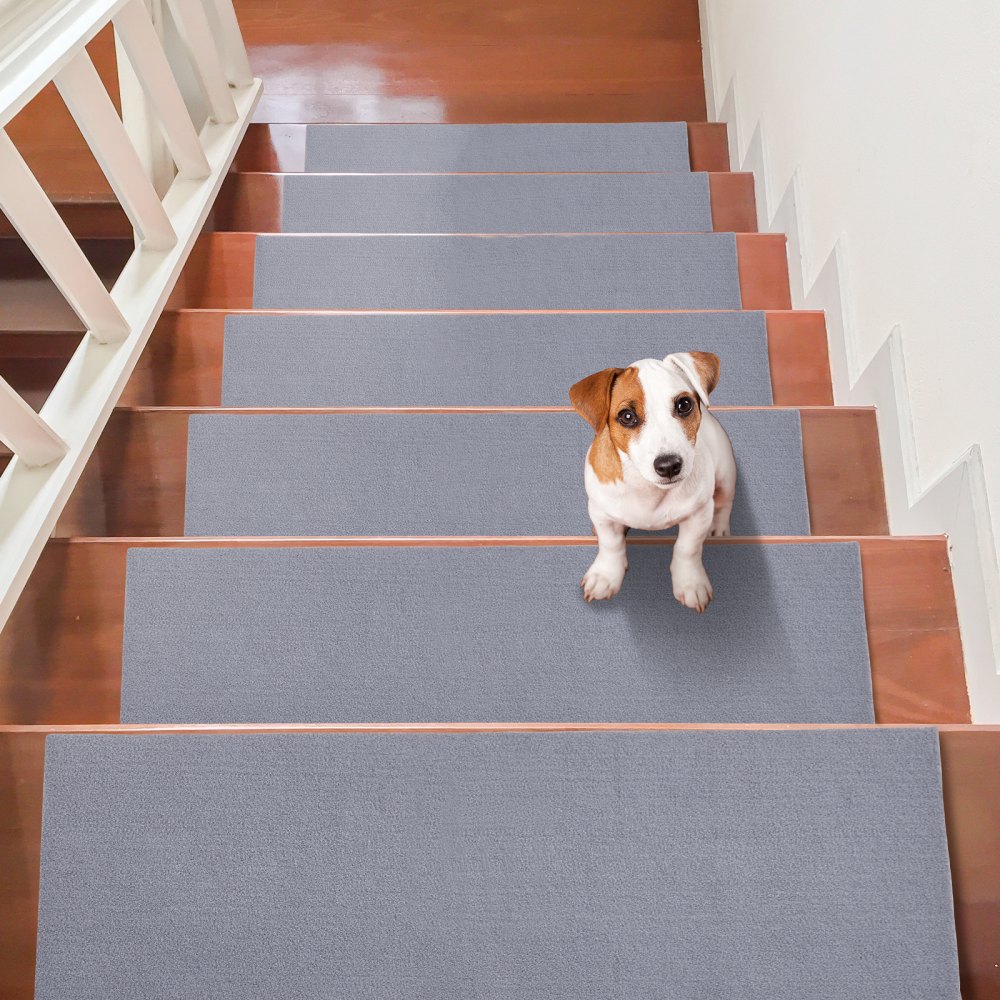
(708, 366)
(692, 421)
(591, 397)
(599, 399)
(604, 459)
(626, 393)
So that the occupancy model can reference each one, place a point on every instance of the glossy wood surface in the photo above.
(533, 60)
(60, 659)
(970, 764)
(135, 482)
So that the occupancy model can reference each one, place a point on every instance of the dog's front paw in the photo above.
(602, 581)
(693, 590)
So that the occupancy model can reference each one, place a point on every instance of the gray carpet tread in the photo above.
(572, 866)
(493, 634)
(446, 474)
(436, 148)
(606, 271)
(495, 203)
(473, 360)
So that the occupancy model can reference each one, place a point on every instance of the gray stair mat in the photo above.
(421, 359)
(446, 474)
(572, 866)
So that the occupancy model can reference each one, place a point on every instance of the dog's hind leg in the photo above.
(725, 494)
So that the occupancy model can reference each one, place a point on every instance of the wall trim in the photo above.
(955, 504)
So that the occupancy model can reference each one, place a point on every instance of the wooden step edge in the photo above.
(282, 147)
(376, 728)
(252, 202)
(431, 410)
(60, 655)
(136, 481)
(458, 541)
(220, 271)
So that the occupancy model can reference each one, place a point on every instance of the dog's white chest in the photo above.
(638, 504)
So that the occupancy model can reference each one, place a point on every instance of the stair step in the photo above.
(559, 864)
(492, 633)
(473, 360)
(496, 203)
(434, 148)
(61, 654)
(271, 147)
(633, 271)
(446, 474)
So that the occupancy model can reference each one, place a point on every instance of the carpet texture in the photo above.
(458, 148)
(370, 634)
(446, 474)
(473, 360)
(496, 203)
(636, 271)
(760, 865)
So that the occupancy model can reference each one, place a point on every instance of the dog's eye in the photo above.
(628, 418)
(684, 406)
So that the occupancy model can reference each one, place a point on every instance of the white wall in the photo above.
(874, 129)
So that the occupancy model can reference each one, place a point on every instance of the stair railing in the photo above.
(187, 96)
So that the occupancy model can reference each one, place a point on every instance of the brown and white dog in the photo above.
(659, 458)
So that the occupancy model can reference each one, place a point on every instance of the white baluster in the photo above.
(82, 90)
(197, 36)
(145, 52)
(24, 431)
(31, 213)
(230, 41)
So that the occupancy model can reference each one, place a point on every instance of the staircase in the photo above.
(306, 675)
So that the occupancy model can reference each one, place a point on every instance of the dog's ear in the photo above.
(591, 396)
(701, 369)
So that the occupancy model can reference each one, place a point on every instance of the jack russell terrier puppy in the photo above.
(659, 458)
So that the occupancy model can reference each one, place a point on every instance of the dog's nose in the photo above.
(668, 466)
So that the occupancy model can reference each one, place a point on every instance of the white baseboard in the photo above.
(955, 504)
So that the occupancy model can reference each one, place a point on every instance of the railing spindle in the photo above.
(31, 213)
(82, 90)
(24, 431)
(194, 28)
(230, 40)
(145, 52)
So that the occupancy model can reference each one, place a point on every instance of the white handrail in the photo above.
(51, 447)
